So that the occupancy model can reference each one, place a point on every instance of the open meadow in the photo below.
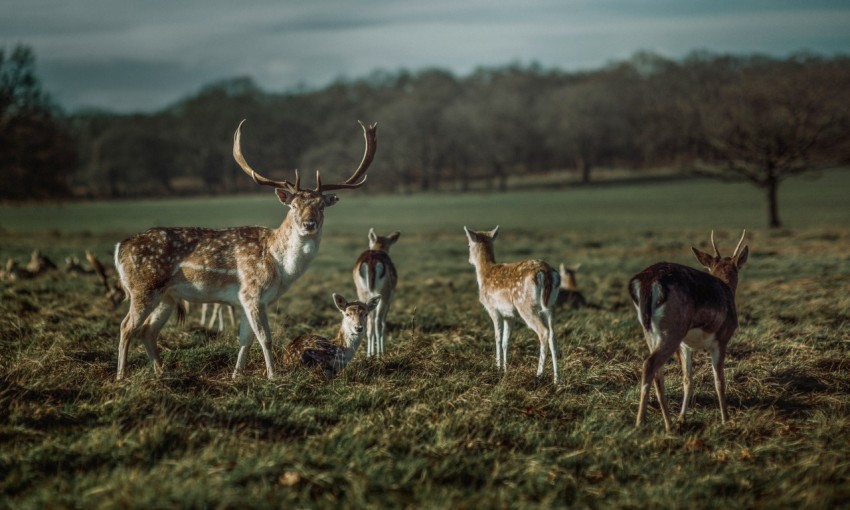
(433, 423)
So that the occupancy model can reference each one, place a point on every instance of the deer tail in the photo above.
(548, 283)
(646, 296)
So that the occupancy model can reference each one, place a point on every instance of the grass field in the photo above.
(433, 424)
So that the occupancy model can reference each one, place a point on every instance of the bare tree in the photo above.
(763, 121)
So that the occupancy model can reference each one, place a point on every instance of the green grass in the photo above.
(696, 203)
(434, 424)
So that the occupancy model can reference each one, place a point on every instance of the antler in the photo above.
(355, 181)
(259, 179)
(716, 251)
(735, 253)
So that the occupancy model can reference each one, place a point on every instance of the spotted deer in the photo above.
(246, 267)
(569, 295)
(375, 275)
(682, 309)
(331, 356)
(528, 288)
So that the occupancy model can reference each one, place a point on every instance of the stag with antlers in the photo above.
(682, 309)
(246, 267)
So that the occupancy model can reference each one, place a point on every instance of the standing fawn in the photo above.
(375, 275)
(683, 309)
(528, 288)
(246, 267)
(569, 295)
(332, 355)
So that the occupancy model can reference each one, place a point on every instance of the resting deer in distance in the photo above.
(682, 309)
(528, 288)
(332, 355)
(375, 275)
(569, 295)
(246, 267)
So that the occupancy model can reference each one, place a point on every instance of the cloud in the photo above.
(130, 56)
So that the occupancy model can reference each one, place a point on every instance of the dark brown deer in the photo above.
(247, 267)
(681, 310)
(528, 288)
(375, 275)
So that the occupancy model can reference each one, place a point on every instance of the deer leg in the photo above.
(256, 315)
(220, 312)
(686, 360)
(535, 322)
(653, 363)
(506, 337)
(371, 332)
(553, 343)
(151, 328)
(140, 308)
(381, 315)
(662, 397)
(717, 358)
(497, 325)
(230, 313)
(246, 338)
(204, 315)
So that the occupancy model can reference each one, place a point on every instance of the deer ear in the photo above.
(741, 258)
(373, 237)
(704, 258)
(473, 237)
(340, 302)
(561, 268)
(392, 238)
(330, 199)
(494, 232)
(373, 303)
(284, 196)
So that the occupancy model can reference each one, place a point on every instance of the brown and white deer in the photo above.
(681, 310)
(375, 275)
(528, 288)
(247, 267)
(332, 355)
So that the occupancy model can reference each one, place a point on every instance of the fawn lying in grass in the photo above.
(332, 355)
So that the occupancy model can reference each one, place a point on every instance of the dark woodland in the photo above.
(752, 118)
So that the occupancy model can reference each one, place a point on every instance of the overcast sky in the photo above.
(144, 55)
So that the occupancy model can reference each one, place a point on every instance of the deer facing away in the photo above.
(375, 275)
(331, 356)
(246, 267)
(682, 309)
(528, 288)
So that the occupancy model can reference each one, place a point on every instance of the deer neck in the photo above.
(483, 259)
(348, 344)
(293, 250)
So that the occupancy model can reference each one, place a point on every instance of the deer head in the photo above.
(354, 314)
(307, 206)
(724, 268)
(481, 244)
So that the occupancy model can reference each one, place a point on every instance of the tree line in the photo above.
(753, 118)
